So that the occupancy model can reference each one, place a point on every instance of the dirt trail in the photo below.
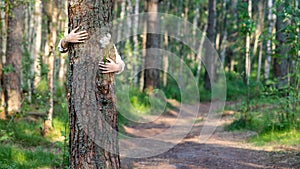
(223, 150)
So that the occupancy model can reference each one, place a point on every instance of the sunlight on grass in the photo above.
(18, 156)
(15, 157)
(289, 138)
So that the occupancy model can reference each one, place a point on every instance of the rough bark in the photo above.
(12, 78)
(92, 101)
(211, 35)
(151, 77)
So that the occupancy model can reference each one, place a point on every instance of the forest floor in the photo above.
(223, 150)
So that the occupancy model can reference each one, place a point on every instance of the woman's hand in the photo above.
(74, 37)
(110, 66)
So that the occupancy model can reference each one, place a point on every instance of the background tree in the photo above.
(211, 35)
(152, 76)
(12, 66)
(281, 66)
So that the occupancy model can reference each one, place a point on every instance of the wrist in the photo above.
(119, 67)
(64, 43)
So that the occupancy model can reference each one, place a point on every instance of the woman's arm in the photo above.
(72, 37)
(111, 66)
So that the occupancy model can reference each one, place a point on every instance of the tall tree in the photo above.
(12, 76)
(259, 28)
(248, 43)
(151, 77)
(136, 42)
(64, 27)
(211, 35)
(280, 65)
(36, 70)
(3, 39)
(92, 101)
(50, 49)
(269, 42)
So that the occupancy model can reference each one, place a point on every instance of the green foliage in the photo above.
(289, 138)
(23, 146)
(268, 114)
(14, 157)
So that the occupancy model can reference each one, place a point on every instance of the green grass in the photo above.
(289, 138)
(21, 142)
(276, 120)
(22, 146)
(14, 157)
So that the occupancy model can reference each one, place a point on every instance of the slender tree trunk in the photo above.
(269, 41)
(52, 34)
(211, 34)
(166, 61)
(281, 66)
(151, 77)
(62, 65)
(195, 27)
(200, 51)
(129, 21)
(3, 39)
(260, 27)
(92, 101)
(142, 73)
(248, 43)
(122, 16)
(165, 57)
(38, 42)
(225, 32)
(12, 79)
(233, 34)
(136, 43)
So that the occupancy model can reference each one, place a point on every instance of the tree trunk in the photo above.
(12, 78)
(62, 65)
(269, 42)
(144, 40)
(92, 101)
(248, 41)
(152, 80)
(3, 39)
(136, 43)
(281, 66)
(165, 61)
(38, 42)
(225, 32)
(200, 52)
(211, 35)
(195, 27)
(51, 38)
(260, 27)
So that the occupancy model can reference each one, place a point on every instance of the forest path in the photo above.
(223, 150)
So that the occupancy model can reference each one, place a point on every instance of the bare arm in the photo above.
(72, 37)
